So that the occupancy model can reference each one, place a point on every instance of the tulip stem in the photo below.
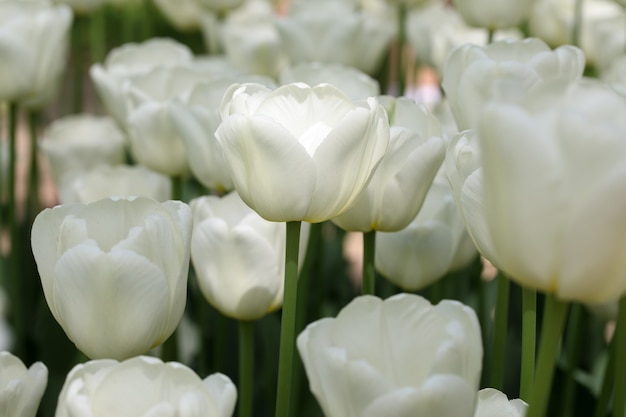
(578, 21)
(401, 41)
(288, 320)
(602, 404)
(554, 315)
(246, 368)
(619, 400)
(369, 271)
(529, 336)
(33, 180)
(500, 332)
(573, 344)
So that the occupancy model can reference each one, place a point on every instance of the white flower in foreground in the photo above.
(21, 388)
(401, 357)
(144, 387)
(493, 403)
(300, 152)
(114, 272)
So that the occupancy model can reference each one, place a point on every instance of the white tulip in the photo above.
(21, 388)
(493, 403)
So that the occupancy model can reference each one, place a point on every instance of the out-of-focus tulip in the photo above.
(114, 181)
(363, 363)
(21, 388)
(493, 403)
(238, 257)
(492, 15)
(132, 59)
(549, 167)
(196, 120)
(114, 272)
(354, 83)
(333, 31)
(434, 244)
(184, 15)
(33, 45)
(615, 75)
(507, 69)
(144, 387)
(78, 143)
(300, 152)
(400, 183)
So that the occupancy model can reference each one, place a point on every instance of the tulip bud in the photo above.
(21, 389)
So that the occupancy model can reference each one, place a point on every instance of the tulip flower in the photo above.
(78, 143)
(34, 38)
(492, 15)
(114, 181)
(506, 69)
(114, 272)
(141, 387)
(533, 190)
(433, 244)
(21, 388)
(398, 187)
(132, 59)
(300, 152)
(238, 257)
(354, 83)
(493, 403)
(397, 357)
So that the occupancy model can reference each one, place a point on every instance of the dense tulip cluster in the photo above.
(463, 140)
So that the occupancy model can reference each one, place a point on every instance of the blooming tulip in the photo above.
(539, 209)
(21, 389)
(472, 74)
(77, 143)
(238, 257)
(490, 14)
(433, 244)
(144, 387)
(398, 187)
(300, 152)
(114, 181)
(493, 403)
(114, 272)
(33, 43)
(363, 363)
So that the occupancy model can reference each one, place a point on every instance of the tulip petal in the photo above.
(271, 170)
(223, 393)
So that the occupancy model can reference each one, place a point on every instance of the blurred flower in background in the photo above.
(114, 272)
(494, 14)
(493, 403)
(21, 388)
(144, 386)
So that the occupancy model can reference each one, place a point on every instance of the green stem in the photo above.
(500, 332)
(602, 404)
(369, 271)
(97, 35)
(220, 341)
(619, 400)
(15, 278)
(78, 35)
(246, 368)
(529, 333)
(490, 34)
(578, 22)
(288, 320)
(177, 188)
(574, 344)
(554, 315)
(33, 179)
(401, 41)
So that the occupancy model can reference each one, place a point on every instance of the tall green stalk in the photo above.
(554, 315)
(33, 178)
(401, 41)
(529, 332)
(602, 403)
(500, 332)
(369, 270)
(619, 390)
(288, 320)
(573, 346)
(246, 368)
(578, 22)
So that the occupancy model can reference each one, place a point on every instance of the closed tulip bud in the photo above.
(433, 244)
(21, 388)
(400, 183)
(363, 362)
(498, 14)
(34, 38)
(144, 387)
(508, 70)
(300, 152)
(114, 272)
(493, 403)
(78, 143)
(238, 257)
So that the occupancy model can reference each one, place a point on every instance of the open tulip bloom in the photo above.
(114, 272)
